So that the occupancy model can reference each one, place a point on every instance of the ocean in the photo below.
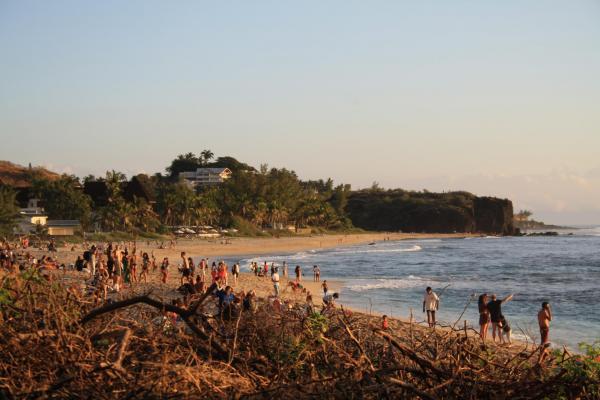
(390, 277)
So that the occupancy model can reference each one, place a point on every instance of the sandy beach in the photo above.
(255, 246)
(214, 250)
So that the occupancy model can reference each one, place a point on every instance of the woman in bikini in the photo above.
(484, 316)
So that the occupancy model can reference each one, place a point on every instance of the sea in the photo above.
(390, 277)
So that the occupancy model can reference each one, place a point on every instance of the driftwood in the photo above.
(57, 347)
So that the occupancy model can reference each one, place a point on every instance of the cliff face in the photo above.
(494, 215)
(395, 210)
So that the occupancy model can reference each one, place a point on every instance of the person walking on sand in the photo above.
(495, 309)
(544, 318)
(325, 287)
(431, 302)
(298, 271)
(484, 316)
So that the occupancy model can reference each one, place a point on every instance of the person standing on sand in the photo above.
(544, 318)
(284, 269)
(133, 265)
(316, 273)
(164, 269)
(185, 268)
(235, 272)
(484, 316)
(298, 271)
(275, 280)
(126, 277)
(325, 287)
(431, 302)
(145, 268)
(192, 268)
(495, 309)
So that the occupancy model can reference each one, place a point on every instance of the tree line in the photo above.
(255, 199)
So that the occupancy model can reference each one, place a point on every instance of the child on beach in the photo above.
(506, 331)
(385, 325)
(325, 287)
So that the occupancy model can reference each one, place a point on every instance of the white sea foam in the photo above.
(416, 247)
(409, 282)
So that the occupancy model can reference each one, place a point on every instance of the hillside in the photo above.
(19, 176)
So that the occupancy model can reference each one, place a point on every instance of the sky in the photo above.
(497, 98)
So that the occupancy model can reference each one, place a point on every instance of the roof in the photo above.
(62, 222)
(214, 170)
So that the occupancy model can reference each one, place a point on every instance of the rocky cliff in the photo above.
(394, 210)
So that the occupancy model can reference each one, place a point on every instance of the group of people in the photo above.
(490, 312)
(115, 266)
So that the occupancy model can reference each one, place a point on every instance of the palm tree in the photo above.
(206, 156)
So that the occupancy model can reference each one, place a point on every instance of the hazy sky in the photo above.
(497, 98)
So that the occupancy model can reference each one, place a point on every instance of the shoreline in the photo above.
(249, 247)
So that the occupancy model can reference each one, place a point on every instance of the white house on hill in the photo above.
(206, 176)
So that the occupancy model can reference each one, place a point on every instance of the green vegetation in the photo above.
(581, 372)
(259, 202)
(410, 211)
(63, 199)
(9, 210)
(254, 202)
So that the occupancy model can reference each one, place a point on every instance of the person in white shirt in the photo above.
(275, 280)
(431, 302)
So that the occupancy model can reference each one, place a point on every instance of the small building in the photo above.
(202, 177)
(34, 216)
(62, 227)
(31, 217)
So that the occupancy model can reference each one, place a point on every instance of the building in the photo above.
(31, 217)
(62, 227)
(206, 176)
(34, 216)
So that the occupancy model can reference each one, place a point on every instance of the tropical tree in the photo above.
(206, 156)
(183, 163)
(117, 213)
(64, 199)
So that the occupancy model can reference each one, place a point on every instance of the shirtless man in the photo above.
(544, 318)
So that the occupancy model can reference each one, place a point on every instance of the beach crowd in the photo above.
(114, 267)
